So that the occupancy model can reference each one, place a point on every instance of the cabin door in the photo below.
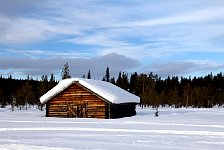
(77, 111)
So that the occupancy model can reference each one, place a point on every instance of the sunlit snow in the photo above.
(174, 129)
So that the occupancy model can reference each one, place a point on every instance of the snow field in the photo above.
(184, 129)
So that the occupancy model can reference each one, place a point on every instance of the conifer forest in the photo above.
(196, 92)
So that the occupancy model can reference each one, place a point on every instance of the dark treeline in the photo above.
(206, 91)
(23, 93)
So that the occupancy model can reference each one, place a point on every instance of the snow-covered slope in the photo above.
(106, 90)
(174, 129)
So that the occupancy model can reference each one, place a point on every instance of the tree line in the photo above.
(154, 91)
(197, 92)
(205, 92)
(24, 93)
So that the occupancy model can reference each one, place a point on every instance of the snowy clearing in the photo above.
(184, 129)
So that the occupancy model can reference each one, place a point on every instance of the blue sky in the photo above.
(175, 37)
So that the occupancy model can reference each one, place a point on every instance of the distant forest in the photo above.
(198, 92)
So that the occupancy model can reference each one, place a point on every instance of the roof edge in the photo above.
(56, 90)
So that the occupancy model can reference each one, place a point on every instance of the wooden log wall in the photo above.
(76, 101)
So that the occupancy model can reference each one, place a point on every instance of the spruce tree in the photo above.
(51, 82)
(125, 84)
(119, 80)
(65, 72)
(107, 75)
(133, 80)
(112, 80)
(89, 75)
(25, 95)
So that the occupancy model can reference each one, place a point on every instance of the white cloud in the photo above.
(48, 54)
(192, 17)
(140, 30)
(20, 31)
(98, 40)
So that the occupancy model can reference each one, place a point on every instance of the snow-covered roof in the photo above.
(104, 89)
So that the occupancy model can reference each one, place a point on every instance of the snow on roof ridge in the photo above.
(62, 85)
(97, 89)
(104, 89)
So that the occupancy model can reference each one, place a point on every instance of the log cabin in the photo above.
(88, 98)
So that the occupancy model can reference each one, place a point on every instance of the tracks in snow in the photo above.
(178, 132)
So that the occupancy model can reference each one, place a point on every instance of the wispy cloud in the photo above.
(192, 17)
(47, 54)
(28, 30)
(139, 31)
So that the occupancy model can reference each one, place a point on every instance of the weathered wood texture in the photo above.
(78, 102)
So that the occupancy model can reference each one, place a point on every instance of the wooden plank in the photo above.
(77, 95)
(95, 110)
(58, 113)
(96, 114)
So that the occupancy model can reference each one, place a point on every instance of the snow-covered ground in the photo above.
(185, 129)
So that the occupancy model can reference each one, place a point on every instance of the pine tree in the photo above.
(172, 97)
(186, 95)
(107, 75)
(52, 79)
(89, 75)
(42, 87)
(25, 95)
(133, 80)
(124, 83)
(51, 82)
(65, 72)
(2, 99)
(112, 80)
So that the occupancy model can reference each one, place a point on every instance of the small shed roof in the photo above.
(104, 89)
